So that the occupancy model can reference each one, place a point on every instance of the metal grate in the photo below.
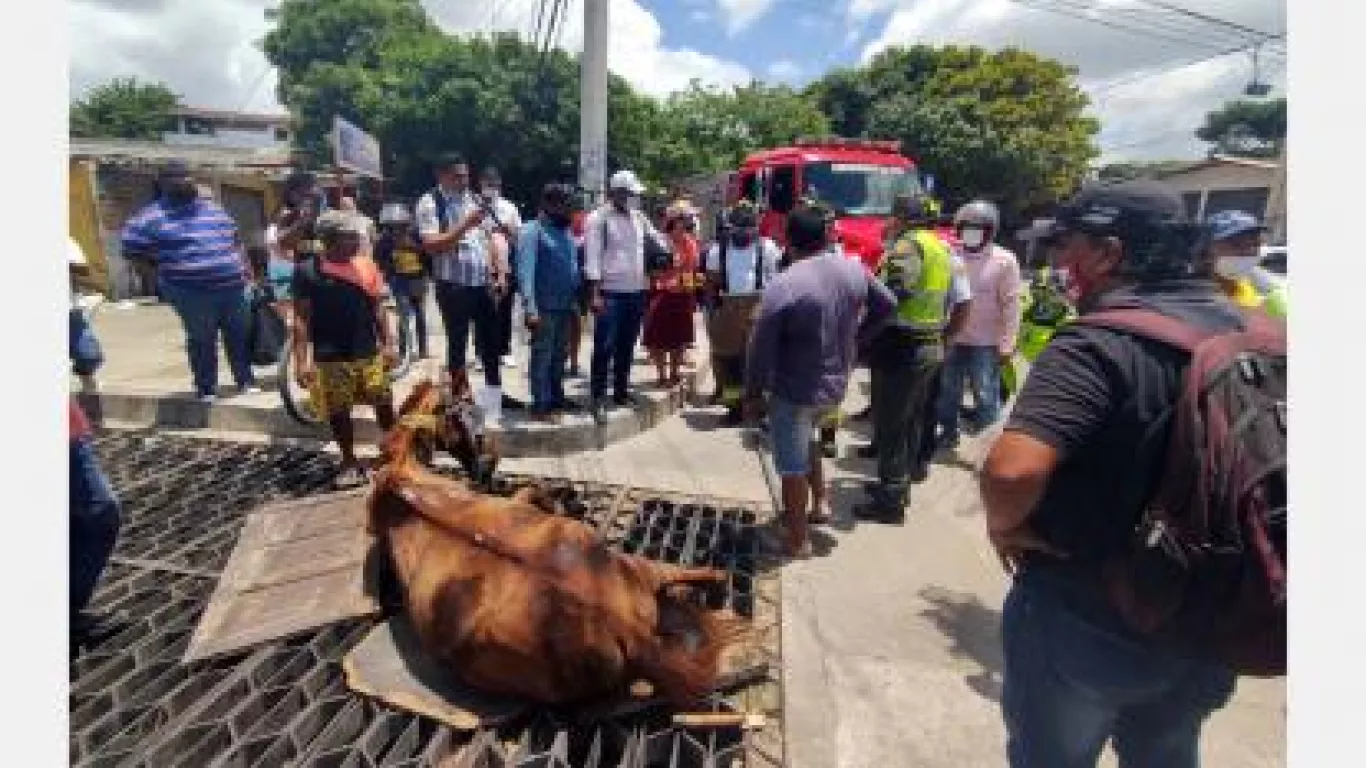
(134, 704)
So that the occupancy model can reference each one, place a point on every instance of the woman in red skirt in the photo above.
(673, 297)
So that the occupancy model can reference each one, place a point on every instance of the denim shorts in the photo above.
(792, 429)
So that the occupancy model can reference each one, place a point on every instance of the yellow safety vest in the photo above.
(1244, 294)
(920, 282)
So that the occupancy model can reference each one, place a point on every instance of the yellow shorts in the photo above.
(343, 385)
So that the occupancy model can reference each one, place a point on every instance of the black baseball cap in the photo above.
(1146, 216)
(1126, 209)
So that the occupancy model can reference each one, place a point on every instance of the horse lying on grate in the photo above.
(516, 601)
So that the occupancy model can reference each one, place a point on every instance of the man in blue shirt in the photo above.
(202, 273)
(548, 280)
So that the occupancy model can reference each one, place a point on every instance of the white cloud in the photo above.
(207, 50)
(740, 14)
(1149, 106)
(784, 70)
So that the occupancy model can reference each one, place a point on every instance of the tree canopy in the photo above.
(1006, 125)
(124, 108)
(1246, 128)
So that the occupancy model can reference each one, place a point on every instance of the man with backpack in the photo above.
(618, 238)
(1137, 495)
(470, 277)
(739, 265)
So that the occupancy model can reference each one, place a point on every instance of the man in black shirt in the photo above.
(1065, 484)
(346, 345)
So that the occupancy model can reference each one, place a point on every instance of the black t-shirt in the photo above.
(341, 323)
(1103, 400)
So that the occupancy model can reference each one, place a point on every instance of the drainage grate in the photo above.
(133, 703)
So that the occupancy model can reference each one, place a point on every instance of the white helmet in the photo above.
(983, 213)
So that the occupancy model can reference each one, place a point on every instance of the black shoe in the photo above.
(621, 401)
(919, 473)
(511, 403)
(868, 451)
(733, 418)
(879, 512)
(567, 406)
(595, 410)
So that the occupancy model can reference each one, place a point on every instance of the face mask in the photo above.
(1234, 267)
(973, 238)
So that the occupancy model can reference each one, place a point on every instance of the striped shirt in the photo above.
(194, 245)
(468, 263)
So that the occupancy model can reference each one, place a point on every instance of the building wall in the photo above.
(1209, 188)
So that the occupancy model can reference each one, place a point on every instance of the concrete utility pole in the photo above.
(593, 102)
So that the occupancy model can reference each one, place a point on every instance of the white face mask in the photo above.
(973, 238)
(1234, 267)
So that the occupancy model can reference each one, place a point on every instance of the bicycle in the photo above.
(297, 400)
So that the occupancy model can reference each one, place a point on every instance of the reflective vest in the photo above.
(920, 282)
(1245, 293)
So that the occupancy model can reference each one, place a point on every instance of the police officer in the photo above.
(933, 294)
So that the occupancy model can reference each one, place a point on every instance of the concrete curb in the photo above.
(517, 437)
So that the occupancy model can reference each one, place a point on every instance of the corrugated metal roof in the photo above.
(154, 153)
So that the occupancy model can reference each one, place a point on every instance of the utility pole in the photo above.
(593, 102)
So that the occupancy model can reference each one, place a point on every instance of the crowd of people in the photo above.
(1086, 445)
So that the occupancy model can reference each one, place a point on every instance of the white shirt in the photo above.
(619, 263)
(740, 264)
(508, 216)
(466, 264)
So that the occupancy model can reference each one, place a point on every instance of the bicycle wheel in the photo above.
(296, 399)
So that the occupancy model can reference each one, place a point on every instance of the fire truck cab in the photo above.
(858, 178)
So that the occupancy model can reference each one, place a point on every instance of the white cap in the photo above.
(626, 180)
(75, 254)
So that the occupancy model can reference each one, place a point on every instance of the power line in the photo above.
(1079, 11)
(1207, 18)
(1141, 76)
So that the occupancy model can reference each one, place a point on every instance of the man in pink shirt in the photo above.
(987, 339)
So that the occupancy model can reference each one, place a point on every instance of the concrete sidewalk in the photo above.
(146, 380)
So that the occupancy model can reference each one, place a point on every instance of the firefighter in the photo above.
(738, 267)
(933, 297)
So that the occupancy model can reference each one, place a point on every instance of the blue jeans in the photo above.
(94, 522)
(410, 294)
(980, 368)
(1071, 684)
(615, 333)
(549, 353)
(205, 314)
(84, 347)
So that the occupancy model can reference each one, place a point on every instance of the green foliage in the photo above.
(1007, 125)
(1246, 128)
(124, 108)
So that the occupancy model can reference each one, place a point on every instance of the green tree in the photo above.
(1246, 128)
(1008, 125)
(124, 108)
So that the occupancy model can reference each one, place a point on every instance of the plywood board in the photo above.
(298, 565)
(389, 665)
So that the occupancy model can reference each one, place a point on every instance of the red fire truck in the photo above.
(858, 178)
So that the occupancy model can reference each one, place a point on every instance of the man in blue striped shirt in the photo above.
(201, 271)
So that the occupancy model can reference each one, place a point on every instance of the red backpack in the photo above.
(1205, 569)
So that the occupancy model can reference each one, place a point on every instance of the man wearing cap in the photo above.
(739, 266)
(614, 267)
(346, 342)
(933, 300)
(201, 271)
(1235, 241)
(1070, 474)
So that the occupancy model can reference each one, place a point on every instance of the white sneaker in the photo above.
(250, 389)
(207, 399)
(509, 361)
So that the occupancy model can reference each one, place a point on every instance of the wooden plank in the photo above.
(298, 565)
(389, 665)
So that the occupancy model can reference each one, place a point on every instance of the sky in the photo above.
(1150, 88)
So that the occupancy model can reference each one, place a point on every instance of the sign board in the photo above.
(355, 150)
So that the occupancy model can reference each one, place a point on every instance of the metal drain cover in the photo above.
(134, 703)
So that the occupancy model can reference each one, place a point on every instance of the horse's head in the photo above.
(432, 419)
